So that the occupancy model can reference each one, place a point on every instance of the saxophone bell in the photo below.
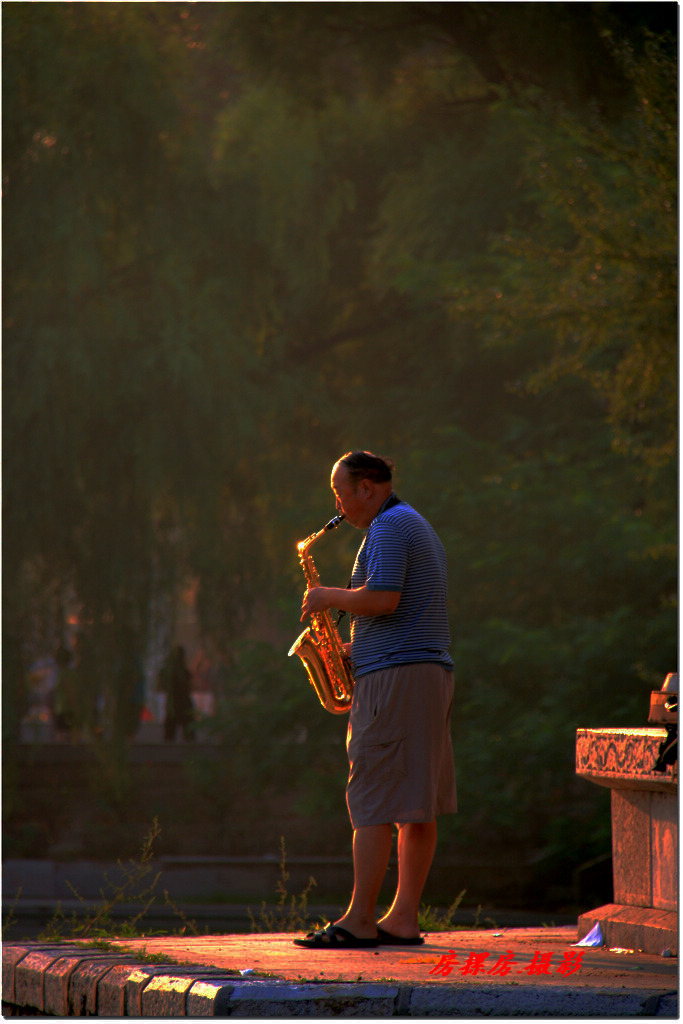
(333, 692)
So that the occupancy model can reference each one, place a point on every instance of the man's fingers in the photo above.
(304, 607)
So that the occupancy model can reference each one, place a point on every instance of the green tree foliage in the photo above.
(593, 275)
(241, 239)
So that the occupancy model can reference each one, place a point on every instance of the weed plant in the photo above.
(11, 917)
(291, 912)
(431, 920)
(138, 886)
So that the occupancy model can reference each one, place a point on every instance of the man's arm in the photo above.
(359, 602)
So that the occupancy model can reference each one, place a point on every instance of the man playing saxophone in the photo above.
(398, 739)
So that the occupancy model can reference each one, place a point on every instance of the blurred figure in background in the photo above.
(86, 685)
(64, 708)
(175, 680)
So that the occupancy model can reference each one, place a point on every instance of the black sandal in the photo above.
(333, 936)
(387, 939)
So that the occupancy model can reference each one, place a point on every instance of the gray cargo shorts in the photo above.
(399, 746)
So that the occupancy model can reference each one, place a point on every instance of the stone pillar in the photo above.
(644, 914)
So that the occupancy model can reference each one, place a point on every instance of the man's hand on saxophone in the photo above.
(358, 602)
(315, 600)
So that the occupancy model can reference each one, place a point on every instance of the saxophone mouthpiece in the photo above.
(334, 522)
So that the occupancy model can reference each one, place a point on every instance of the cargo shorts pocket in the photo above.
(386, 758)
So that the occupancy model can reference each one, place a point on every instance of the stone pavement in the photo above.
(520, 972)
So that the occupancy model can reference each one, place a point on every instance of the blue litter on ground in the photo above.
(594, 937)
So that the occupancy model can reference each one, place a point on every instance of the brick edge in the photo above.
(68, 980)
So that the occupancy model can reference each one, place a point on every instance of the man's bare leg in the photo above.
(371, 849)
(416, 846)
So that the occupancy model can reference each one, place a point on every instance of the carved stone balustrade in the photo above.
(644, 809)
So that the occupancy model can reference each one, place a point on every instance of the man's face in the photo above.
(350, 500)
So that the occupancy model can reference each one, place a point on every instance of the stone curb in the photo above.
(69, 981)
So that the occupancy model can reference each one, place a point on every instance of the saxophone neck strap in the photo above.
(392, 500)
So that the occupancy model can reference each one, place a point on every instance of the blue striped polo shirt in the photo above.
(401, 552)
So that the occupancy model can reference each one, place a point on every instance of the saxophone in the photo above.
(320, 646)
